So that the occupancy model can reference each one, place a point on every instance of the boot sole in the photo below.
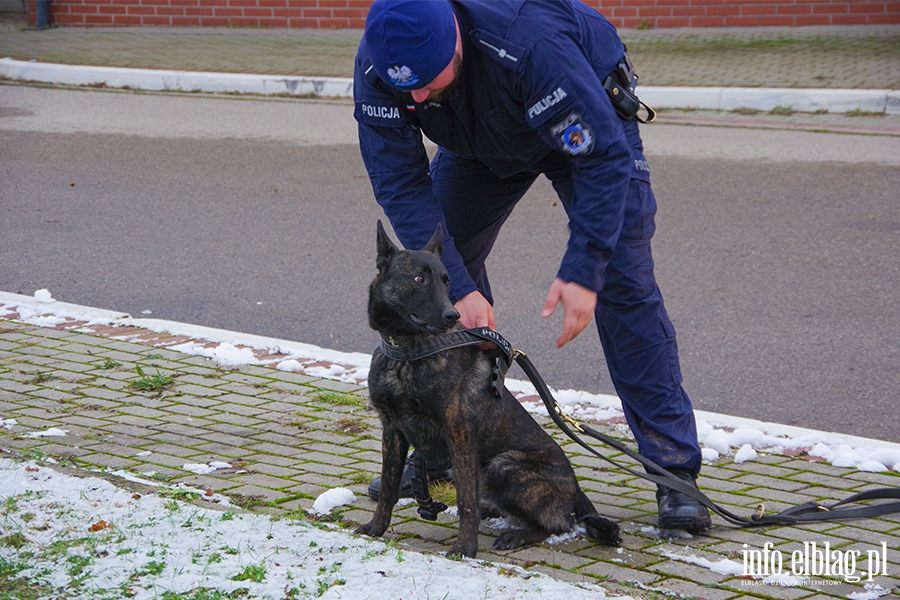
(696, 524)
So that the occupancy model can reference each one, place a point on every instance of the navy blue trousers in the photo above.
(637, 337)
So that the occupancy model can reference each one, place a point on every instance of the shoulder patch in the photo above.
(380, 113)
(573, 135)
(552, 101)
(509, 55)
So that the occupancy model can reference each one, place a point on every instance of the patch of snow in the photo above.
(709, 455)
(225, 354)
(195, 548)
(722, 567)
(717, 440)
(203, 469)
(291, 366)
(44, 296)
(784, 580)
(52, 432)
(745, 453)
(873, 592)
(332, 499)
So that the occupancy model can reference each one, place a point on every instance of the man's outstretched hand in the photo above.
(578, 308)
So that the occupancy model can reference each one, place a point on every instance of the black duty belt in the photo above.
(505, 355)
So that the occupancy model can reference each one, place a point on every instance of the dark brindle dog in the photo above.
(443, 405)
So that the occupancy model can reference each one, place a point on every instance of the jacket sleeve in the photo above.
(395, 159)
(569, 109)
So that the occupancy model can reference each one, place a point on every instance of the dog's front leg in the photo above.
(394, 447)
(464, 456)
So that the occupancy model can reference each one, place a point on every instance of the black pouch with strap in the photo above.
(620, 86)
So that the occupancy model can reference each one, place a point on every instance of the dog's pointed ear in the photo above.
(436, 244)
(386, 248)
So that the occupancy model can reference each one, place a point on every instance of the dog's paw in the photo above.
(516, 538)
(371, 528)
(508, 540)
(467, 550)
(602, 530)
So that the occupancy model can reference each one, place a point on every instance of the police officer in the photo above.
(510, 90)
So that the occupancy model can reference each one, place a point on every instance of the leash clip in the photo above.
(760, 511)
(568, 419)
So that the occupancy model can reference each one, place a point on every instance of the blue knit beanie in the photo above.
(410, 41)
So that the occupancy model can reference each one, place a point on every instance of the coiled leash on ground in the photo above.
(505, 355)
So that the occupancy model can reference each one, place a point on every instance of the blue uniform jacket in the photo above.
(531, 83)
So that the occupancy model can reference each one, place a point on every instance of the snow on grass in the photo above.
(84, 538)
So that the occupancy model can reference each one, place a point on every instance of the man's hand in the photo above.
(578, 307)
(475, 311)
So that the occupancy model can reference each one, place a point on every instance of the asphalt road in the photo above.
(776, 250)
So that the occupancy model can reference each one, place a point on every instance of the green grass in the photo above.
(444, 491)
(782, 111)
(41, 377)
(858, 112)
(109, 364)
(151, 383)
(338, 398)
(767, 43)
(351, 426)
(21, 588)
(14, 540)
(256, 573)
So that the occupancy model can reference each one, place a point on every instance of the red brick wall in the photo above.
(352, 13)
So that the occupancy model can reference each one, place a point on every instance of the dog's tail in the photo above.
(602, 530)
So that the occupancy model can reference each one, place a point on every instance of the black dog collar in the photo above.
(416, 347)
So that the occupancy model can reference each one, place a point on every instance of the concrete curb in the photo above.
(767, 99)
(722, 98)
(184, 81)
(111, 317)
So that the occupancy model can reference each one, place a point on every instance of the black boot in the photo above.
(677, 510)
(437, 471)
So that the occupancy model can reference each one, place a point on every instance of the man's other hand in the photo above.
(578, 308)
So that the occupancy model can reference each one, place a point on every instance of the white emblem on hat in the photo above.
(402, 75)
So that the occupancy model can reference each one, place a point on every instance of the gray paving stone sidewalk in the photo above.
(288, 437)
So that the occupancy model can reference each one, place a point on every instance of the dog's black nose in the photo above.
(451, 316)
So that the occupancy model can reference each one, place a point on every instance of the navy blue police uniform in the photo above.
(529, 100)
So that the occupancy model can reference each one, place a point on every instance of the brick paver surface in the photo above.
(288, 437)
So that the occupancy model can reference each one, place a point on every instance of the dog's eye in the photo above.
(420, 279)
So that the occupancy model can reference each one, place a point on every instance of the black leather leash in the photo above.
(810, 511)
(506, 355)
